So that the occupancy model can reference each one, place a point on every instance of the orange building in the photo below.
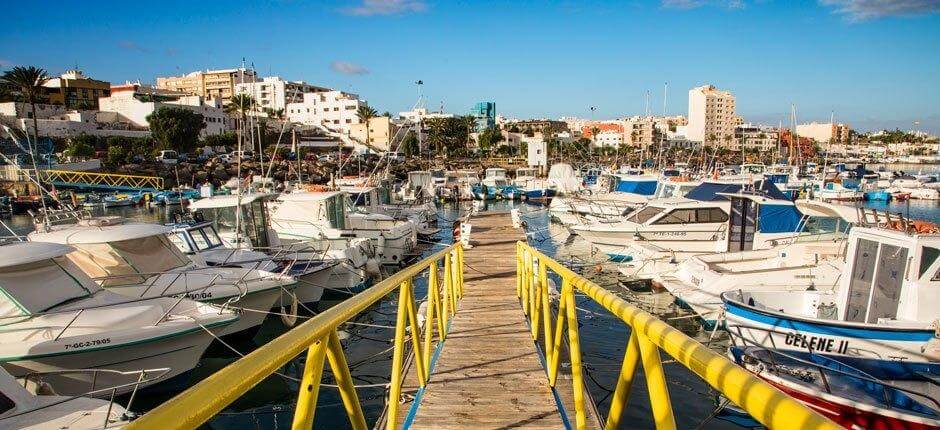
(587, 130)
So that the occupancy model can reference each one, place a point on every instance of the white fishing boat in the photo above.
(811, 260)
(305, 216)
(531, 186)
(713, 217)
(836, 192)
(881, 318)
(369, 199)
(56, 318)
(138, 260)
(23, 409)
(253, 245)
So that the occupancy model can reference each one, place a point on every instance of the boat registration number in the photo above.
(96, 342)
(816, 343)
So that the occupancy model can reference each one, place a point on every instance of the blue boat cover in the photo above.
(643, 188)
(771, 218)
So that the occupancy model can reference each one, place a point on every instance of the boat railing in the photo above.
(648, 336)
(319, 338)
(861, 375)
(144, 376)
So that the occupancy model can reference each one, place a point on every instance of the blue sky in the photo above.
(875, 63)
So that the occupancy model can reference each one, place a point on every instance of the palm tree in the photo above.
(366, 113)
(29, 80)
(240, 104)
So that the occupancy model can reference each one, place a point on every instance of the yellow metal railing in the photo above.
(648, 335)
(318, 337)
(106, 179)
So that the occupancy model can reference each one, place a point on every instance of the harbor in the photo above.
(415, 214)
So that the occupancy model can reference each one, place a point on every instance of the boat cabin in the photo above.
(36, 277)
(890, 276)
(249, 212)
(526, 173)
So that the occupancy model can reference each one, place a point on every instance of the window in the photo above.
(927, 258)
(644, 215)
(860, 283)
(887, 289)
(711, 215)
(678, 216)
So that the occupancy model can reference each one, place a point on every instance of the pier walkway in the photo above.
(488, 374)
(499, 349)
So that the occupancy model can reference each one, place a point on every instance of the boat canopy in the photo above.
(228, 201)
(643, 185)
(776, 214)
(713, 191)
(40, 279)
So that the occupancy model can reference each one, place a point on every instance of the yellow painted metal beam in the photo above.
(200, 402)
(762, 401)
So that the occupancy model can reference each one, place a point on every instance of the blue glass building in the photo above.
(485, 113)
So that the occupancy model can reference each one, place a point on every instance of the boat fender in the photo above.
(931, 349)
(289, 318)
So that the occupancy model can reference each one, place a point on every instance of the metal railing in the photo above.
(318, 336)
(111, 180)
(648, 335)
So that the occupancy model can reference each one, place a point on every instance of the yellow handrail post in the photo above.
(525, 283)
(347, 390)
(546, 309)
(577, 373)
(435, 285)
(618, 402)
(559, 331)
(431, 317)
(455, 273)
(656, 384)
(536, 307)
(309, 386)
(415, 332)
(394, 389)
(533, 290)
(449, 302)
(445, 300)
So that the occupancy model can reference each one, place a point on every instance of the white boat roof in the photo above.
(357, 190)
(18, 253)
(308, 196)
(828, 210)
(228, 201)
(79, 234)
(757, 199)
(679, 201)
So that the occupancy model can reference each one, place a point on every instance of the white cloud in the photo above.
(865, 10)
(386, 7)
(348, 68)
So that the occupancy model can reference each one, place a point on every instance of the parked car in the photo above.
(395, 156)
(225, 158)
(168, 156)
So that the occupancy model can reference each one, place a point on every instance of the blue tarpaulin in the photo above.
(778, 218)
(643, 188)
(708, 191)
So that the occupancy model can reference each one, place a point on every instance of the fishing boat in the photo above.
(370, 200)
(713, 217)
(531, 186)
(57, 319)
(176, 196)
(25, 410)
(138, 260)
(881, 318)
(249, 247)
(837, 192)
(306, 216)
(844, 394)
(495, 184)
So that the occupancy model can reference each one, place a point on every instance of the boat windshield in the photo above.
(41, 285)
(643, 215)
(127, 262)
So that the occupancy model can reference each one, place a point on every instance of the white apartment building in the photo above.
(134, 102)
(273, 93)
(824, 132)
(755, 137)
(608, 138)
(335, 110)
(420, 114)
(711, 115)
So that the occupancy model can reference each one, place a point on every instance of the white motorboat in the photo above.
(812, 260)
(835, 192)
(305, 216)
(138, 260)
(714, 217)
(25, 410)
(881, 318)
(254, 245)
(56, 318)
(369, 199)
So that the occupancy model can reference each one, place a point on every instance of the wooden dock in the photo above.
(489, 374)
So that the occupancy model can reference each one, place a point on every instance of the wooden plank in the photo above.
(488, 374)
